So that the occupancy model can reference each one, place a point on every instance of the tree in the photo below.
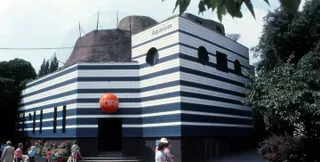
(46, 69)
(54, 65)
(232, 7)
(41, 71)
(13, 76)
(288, 98)
(285, 34)
(286, 91)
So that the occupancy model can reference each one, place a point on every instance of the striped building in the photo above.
(185, 83)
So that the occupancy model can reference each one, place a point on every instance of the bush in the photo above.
(281, 149)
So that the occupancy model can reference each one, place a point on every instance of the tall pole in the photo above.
(117, 19)
(79, 29)
(98, 21)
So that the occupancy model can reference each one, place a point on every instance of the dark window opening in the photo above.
(219, 29)
(41, 117)
(237, 67)
(222, 62)
(30, 116)
(64, 115)
(152, 56)
(23, 120)
(34, 122)
(55, 120)
(203, 55)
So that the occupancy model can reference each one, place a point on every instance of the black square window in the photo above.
(222, 62)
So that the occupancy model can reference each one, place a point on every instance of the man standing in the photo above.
(7, 153)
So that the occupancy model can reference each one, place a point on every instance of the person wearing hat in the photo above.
(166, 151)
(8, 153)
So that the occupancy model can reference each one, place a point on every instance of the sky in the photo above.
(54, 23)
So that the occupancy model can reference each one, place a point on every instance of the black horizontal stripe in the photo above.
(211, 76)
(210, 88)
(209, 131)
(214, 119)
(52, 76)
(190, 34)
(207, 97)
(214, 109)
(106, 67)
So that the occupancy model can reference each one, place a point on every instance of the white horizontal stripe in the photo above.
(161, 91)
(195, 42)
(144, 115)
(184, 123)
(108, 73)
(152, 125)
(213, 36)
(160, 79)
(160, 67)
(211, 70)
(98, 95)
(53, 81)
(161, 101)
(50, 110)
(147, 34)
(107, 64)
(97, 105)
(215, 103)
(109, 85)
(44, 77)
(210, 93)
(58, 90)
(162, 53)
(52, 101)
(160, 43)
(211, 82)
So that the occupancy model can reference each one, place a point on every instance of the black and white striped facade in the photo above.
(178, 96)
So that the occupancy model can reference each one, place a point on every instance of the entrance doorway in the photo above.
(110, 135)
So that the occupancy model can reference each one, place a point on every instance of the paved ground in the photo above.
(250, 156)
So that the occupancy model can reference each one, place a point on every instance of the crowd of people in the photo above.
(163, 153)
(10, 154)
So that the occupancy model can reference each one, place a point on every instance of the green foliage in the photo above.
(54, 65)
(286, 90)
(289, 95)
(48, 67)
(232, 7)
(13, 76)
(285, 34)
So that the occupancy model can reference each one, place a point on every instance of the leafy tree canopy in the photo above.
(287, 90)
(285, 34)
(13, 76)
(232, 7)
(48, 67)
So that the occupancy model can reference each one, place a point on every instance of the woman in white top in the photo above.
(74, 151)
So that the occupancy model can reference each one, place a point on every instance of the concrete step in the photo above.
(111, 158)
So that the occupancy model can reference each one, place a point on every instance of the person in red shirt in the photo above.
(18, 153)
(48, 155)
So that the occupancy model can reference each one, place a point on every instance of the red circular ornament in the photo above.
(109, 103)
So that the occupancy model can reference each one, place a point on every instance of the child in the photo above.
(48, 155)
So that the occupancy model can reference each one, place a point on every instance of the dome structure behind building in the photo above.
(111, 45)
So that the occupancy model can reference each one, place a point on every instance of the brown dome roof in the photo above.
(109, 45)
